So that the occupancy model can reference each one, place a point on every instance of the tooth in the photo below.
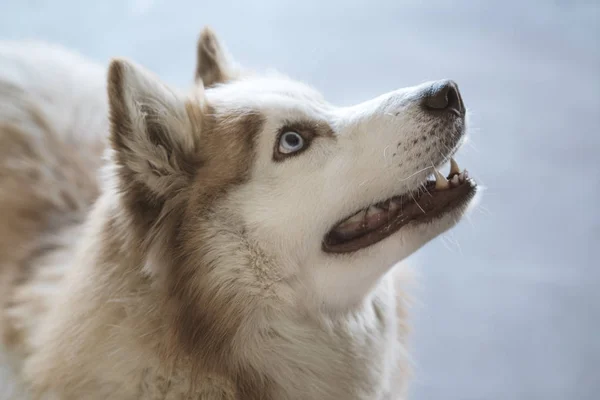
(393, 206)
(441, 183)
(455, 181)
(466, 174)
(461, 177)
(454, 169)
(372, 211)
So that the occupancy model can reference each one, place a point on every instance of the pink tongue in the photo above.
(361, 223)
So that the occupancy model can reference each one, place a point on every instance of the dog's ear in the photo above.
(154, 131)
(213, 64)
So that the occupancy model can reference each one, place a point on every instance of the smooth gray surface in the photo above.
(508, 304)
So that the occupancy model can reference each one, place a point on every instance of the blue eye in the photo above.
(290, 142)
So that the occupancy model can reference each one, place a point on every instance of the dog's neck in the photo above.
(279, 347)
(349, 355)
(284, 355)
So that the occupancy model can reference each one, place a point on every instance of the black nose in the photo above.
(444, 96)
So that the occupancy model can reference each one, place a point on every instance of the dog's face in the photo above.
(324, 199)
(322, 177)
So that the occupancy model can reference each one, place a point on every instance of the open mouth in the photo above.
(378, 221)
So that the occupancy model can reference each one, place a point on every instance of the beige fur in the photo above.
(158, 278)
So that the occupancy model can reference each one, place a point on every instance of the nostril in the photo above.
(437, 99)
(443, 96)
(453, 98)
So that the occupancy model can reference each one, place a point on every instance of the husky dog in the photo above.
(232, 241)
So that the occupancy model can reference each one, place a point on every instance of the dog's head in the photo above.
(255, 185)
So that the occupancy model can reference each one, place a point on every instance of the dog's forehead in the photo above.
(266, 92)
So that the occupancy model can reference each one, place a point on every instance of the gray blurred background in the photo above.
(508, 303)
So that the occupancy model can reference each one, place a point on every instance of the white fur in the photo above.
(288, 207)
(292, 212)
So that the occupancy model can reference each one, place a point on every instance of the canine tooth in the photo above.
(441, 183)
(466, 174)
(455, 180)
(454, 169)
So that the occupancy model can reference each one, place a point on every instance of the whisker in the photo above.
(483, 210)
(445, 241)
(417, 203)
(456, 242)
(471, 145)
(425, 190)
(418, 172)
(469, 220)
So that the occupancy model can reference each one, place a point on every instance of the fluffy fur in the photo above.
(187, 263)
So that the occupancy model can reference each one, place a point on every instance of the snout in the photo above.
(443, 97)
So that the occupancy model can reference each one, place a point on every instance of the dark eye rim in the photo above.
(307, 136)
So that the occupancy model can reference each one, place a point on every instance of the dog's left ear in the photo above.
(213, 64)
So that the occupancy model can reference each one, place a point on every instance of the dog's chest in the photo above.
(156, 386)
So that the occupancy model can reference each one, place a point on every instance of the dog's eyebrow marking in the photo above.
(309, 128)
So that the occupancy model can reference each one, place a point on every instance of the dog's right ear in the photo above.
(155, 132)
(213, 64)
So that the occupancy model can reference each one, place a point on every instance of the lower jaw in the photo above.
(425, 208)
